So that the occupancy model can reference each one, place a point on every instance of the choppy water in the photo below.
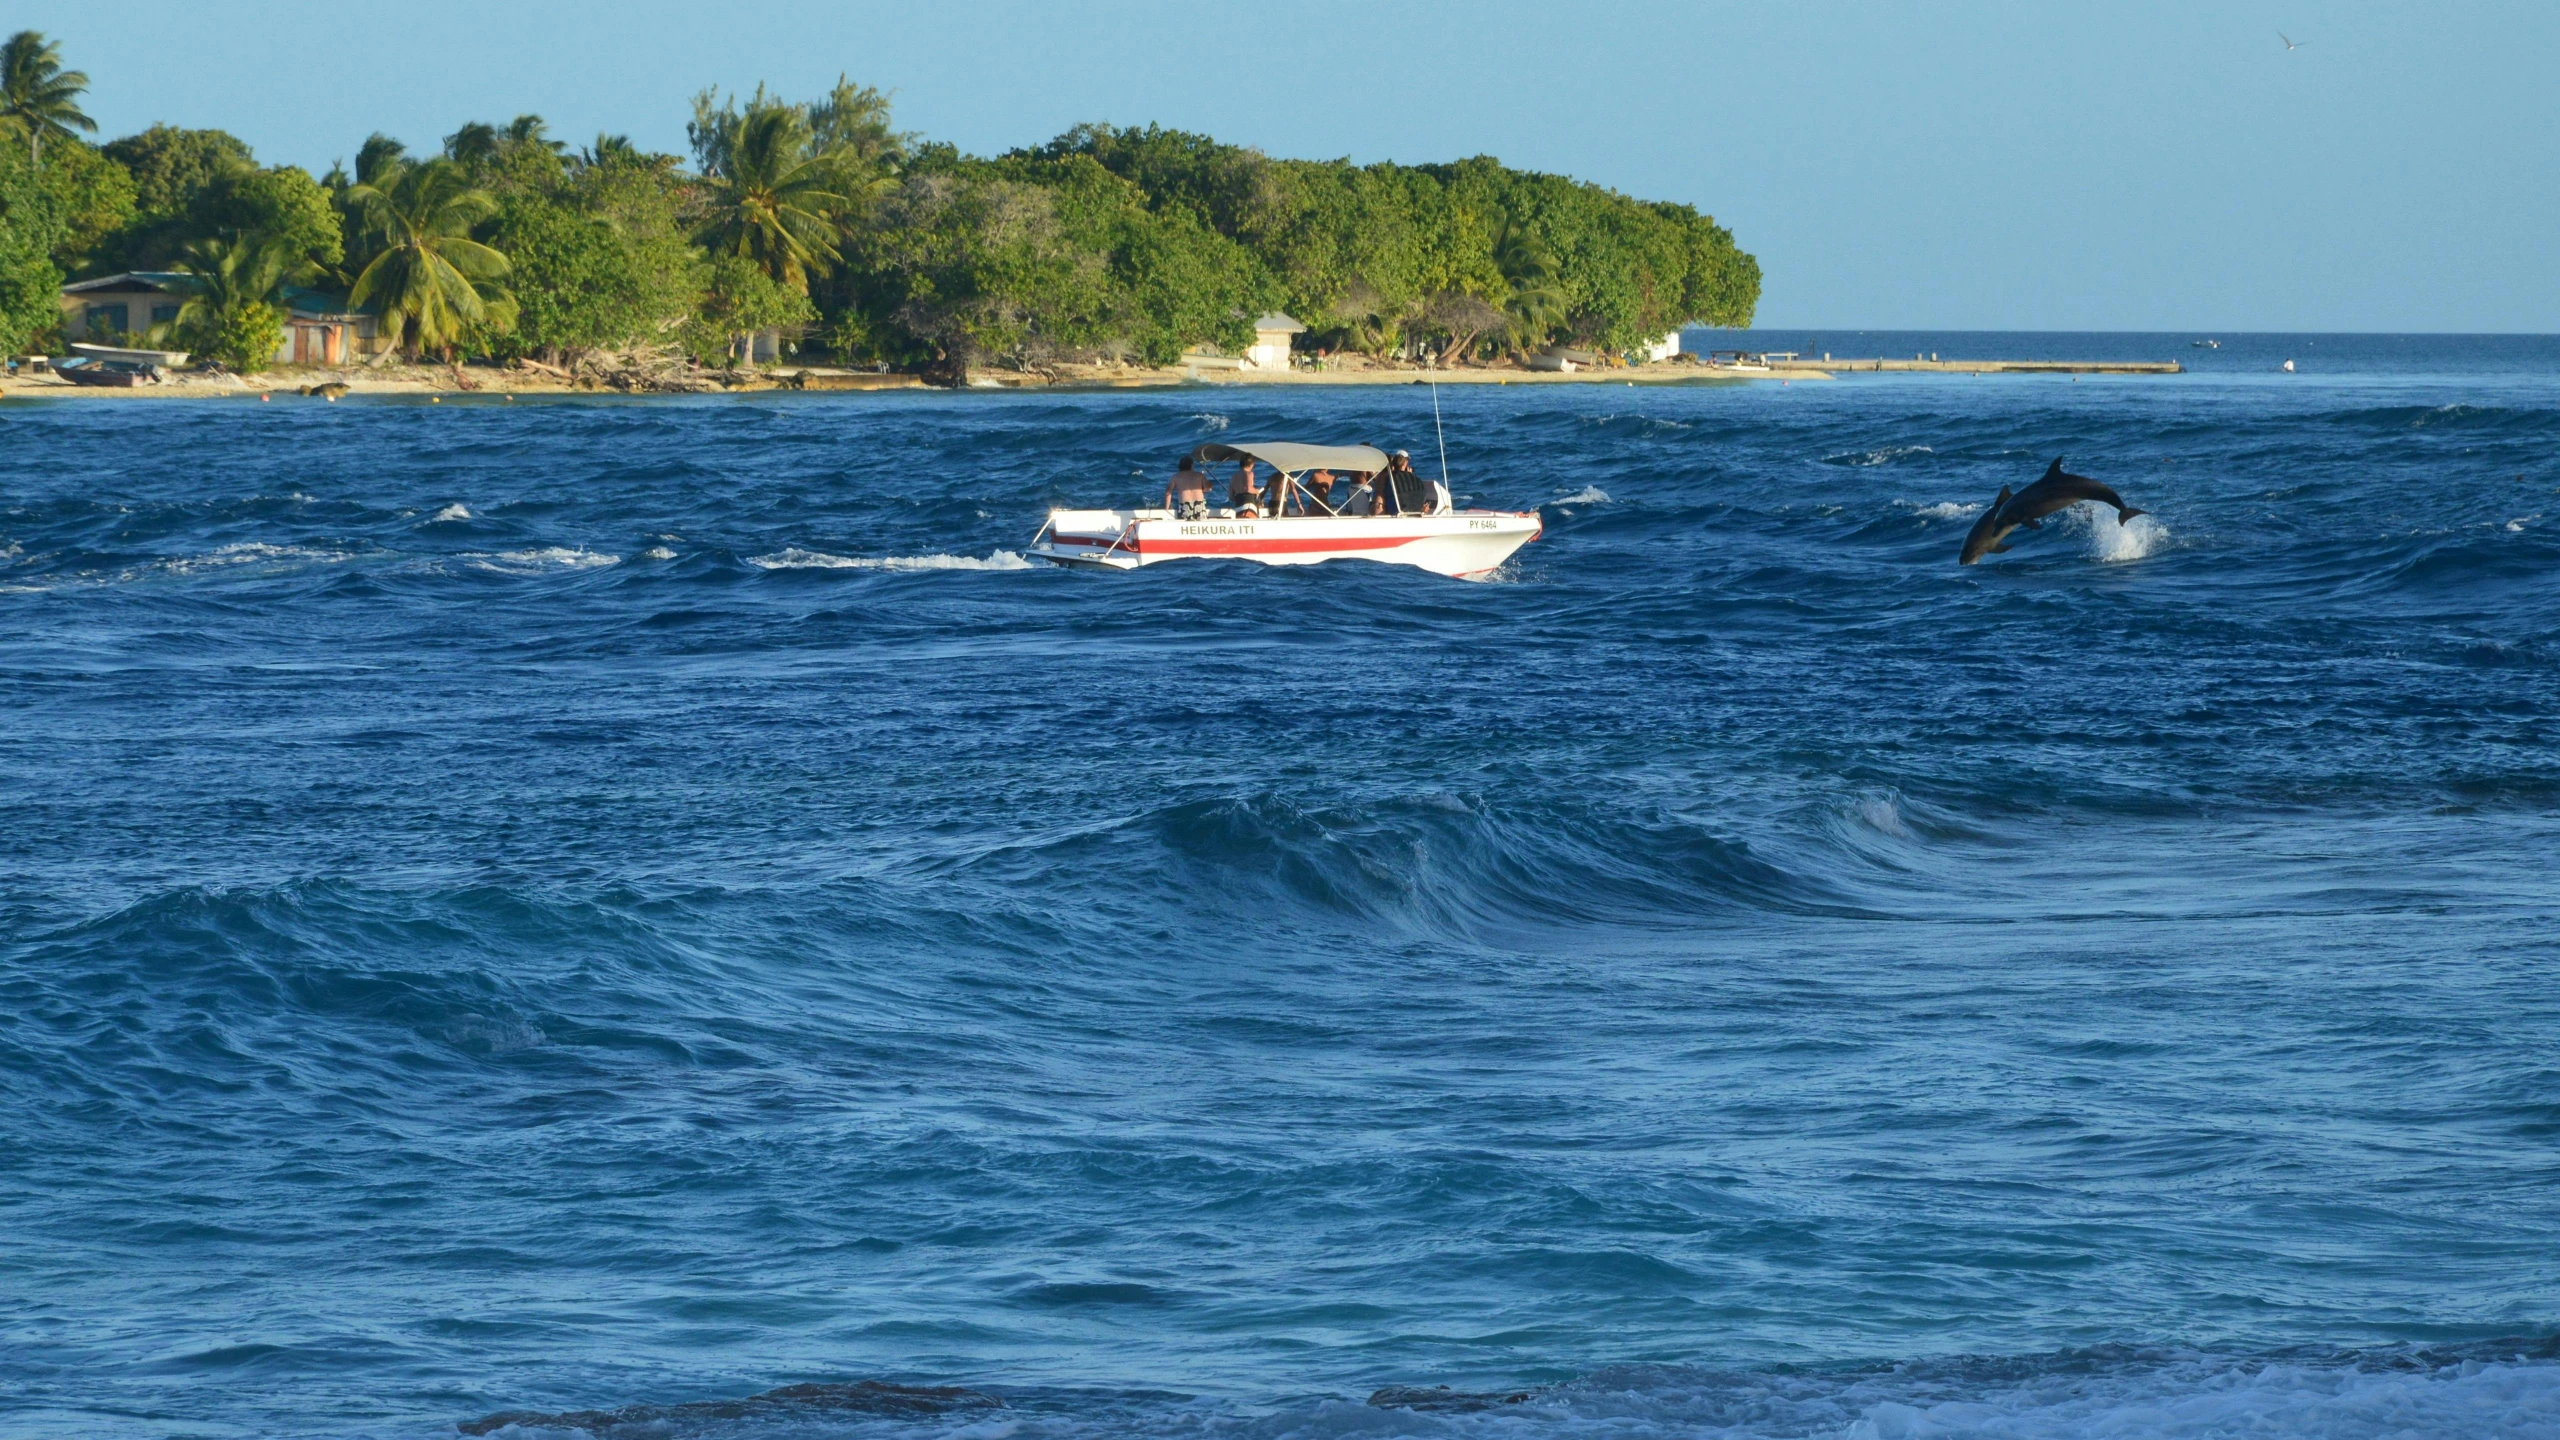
(540, 907)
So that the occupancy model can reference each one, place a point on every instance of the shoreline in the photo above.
(488, 382)
(495, 382)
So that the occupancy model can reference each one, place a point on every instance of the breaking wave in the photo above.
(1882, 455)
(540, 560)
(796, 558)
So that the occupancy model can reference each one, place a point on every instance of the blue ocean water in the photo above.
(562, 906)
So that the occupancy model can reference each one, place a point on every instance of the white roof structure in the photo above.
(1290, 457)
(1277, 321)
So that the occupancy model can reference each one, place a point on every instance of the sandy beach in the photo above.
(437, 381)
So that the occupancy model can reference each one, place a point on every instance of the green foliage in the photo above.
(31, 226)
(600, 259)
(39, 100)
(823, 216)
(193, 185)
(853, 121)
(773, 192)
(1148, 241)
(429, 280)
(739, 300)
(234, 309)
(170, 166)
(87, 198)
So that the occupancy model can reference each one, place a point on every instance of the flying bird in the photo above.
(2288, 44)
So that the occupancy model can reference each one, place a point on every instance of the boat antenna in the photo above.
(1437, 433)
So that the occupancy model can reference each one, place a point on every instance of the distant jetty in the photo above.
(1934, 366)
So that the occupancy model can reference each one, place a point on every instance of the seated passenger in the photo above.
(1409, 493)
(1243, 493)
(1187, 494)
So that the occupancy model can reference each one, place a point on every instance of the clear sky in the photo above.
(1958, 165)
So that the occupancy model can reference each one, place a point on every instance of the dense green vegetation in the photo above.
(860, 242)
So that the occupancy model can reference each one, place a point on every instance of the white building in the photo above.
(1664, 348)
(1271, 342)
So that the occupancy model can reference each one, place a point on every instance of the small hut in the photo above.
(1271, 342)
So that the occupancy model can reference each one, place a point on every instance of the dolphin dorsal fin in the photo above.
(2053, 469)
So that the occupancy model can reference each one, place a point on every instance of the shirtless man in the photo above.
(1320, 486)
(1187, 494)
(1242, 492)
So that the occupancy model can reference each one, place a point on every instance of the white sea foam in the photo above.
(795, 558)
(1885, 455)
(2112, 542)
(454, 511)
(657, 552)
(253, 554)
(2516, 524)
(542, 560)
(250, 558)
(1884, 815)
(1587, 495)
(1212, 423)
(1947, 510)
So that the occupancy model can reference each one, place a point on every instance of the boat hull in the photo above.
(1465, 544)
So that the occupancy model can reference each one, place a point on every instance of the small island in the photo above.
(812, 243)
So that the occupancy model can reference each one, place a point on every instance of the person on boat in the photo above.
(1243, 493)
(1187, 494)
(1318, 487)
(1404, 492)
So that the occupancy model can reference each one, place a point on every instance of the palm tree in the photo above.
(1537, 303)
(38, 94)
(776, 198)
(233, 281)
(430, 278)
(379, 153)
(609, 150)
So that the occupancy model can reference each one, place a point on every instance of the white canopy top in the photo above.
(1291, 457)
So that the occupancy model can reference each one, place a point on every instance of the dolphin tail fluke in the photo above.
(2127, 512)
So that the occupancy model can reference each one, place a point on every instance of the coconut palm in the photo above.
(776, 198)
(430, 278)
(39, 95)
(231, 309)
(1537, 302)
(379, 153)
(609, 150)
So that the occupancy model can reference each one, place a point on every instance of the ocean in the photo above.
(623, 906)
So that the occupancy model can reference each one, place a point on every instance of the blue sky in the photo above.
(1989, 165)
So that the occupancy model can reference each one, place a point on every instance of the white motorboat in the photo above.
(1419, 526)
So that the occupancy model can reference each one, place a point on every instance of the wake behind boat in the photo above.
(1388, 514)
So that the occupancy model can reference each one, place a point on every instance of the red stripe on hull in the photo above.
(1307, 546)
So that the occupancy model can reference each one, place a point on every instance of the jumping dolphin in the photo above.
(2057, 490)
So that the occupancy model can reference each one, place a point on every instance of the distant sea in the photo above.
(570, 905)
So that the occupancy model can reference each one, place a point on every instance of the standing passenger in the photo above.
(1243, 493)
(1187, 494)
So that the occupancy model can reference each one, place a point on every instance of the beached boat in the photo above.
(89, 370)
(1420, 527)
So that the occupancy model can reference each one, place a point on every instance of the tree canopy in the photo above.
(822, 218)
